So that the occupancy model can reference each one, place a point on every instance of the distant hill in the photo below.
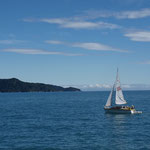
(15, 85)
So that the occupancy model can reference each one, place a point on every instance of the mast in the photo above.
(119, 95)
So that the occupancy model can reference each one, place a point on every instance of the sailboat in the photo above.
(120, 107)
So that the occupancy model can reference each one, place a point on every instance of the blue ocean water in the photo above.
(72, 121)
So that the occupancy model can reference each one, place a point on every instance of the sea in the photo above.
(72, 121)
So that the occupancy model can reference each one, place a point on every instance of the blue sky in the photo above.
(76, 43)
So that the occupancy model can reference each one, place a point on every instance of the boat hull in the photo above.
(113, 111)
(120, 110)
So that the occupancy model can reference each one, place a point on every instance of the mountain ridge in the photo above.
(16, 85)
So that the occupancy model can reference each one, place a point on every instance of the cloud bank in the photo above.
(107, 87)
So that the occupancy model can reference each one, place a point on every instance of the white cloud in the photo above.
(54, 20)
(103, 86)
(93, 87)
(137, 87)
(75, 24)
(132, 14)
(89, 25)
(126, 86)
(38, 52)
(97, 46)
(143, 36)
(88, 46)
(80, 25)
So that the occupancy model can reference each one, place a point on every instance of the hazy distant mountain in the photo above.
(15, 85)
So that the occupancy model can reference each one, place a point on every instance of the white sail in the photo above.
(119, 95)
(109, 100)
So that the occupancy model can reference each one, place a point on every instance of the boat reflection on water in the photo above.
(118, 126)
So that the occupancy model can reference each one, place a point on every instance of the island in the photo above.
(16, 85)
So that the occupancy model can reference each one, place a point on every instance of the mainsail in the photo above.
(119, 95)
(109, 101)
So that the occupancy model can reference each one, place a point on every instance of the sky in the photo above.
(77, 43)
